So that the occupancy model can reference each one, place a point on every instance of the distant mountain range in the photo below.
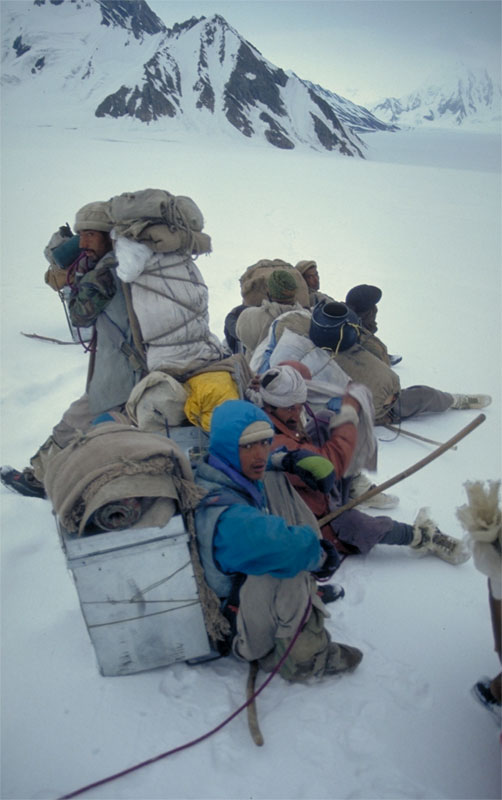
(73, 61)
(463, 96)
(116, 58)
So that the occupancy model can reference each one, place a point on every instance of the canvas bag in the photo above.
(156, 402)
(164, 222)
(156, 206)
(206, 391)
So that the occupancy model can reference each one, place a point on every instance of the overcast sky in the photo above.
(362, 49)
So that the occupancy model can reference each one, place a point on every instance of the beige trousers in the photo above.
(270, 612)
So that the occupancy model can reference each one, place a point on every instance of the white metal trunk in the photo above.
(138, 596)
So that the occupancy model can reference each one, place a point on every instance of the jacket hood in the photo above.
(227, 424)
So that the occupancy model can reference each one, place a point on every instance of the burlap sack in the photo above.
(254, 282)
(159, 205)
(156, 402)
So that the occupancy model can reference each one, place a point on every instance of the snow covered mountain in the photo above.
(86, 59)
(464, 97)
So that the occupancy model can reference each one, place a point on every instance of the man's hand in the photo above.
(316, 471)
(330, 564)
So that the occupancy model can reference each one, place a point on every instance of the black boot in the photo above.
(23, 482)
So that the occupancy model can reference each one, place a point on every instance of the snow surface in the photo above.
(425, 226)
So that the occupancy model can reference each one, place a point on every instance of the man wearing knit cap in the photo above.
(282, 392)
(363, 300)
(114, 367)
(308, 269)
(368, 362)
(254, 322)
(262, 567)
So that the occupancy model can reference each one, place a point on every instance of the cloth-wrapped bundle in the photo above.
(157, 235)
(111, 463)
(170, 300)
(156, 402)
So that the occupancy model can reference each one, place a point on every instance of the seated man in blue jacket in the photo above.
(274, 563)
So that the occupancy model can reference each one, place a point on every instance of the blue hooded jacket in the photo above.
(235, 532)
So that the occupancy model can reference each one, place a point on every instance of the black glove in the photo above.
(330, 564)
(314, 470)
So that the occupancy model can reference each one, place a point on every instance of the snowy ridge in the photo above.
(466, 96)
(355, 116)
(94, 60)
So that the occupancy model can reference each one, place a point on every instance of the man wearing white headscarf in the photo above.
(282, 392)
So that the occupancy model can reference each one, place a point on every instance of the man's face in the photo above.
(290, 416)
(368, 318)
(312, 278)
(253, 458)
(95, 244)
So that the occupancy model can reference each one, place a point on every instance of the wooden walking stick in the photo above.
(254, 726)
(395, 429)
(46, 338)
(406, 473)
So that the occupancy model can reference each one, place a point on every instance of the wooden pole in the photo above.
(406, 473)
(46, 338)
(395, 429)
(254, 727)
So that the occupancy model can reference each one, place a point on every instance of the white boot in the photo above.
(360, 484)
(427, 538)
(463, 401)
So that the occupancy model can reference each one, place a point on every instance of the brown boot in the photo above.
(342, 658)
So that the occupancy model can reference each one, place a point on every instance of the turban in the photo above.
(282, 387)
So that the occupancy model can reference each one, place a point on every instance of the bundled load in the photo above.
(156, 236)
(116, 477)
(159, 402)
(254, 281)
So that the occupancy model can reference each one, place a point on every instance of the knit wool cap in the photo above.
(281, 286)
(93, 217)
(303, 266)
(282, 387)
(363, 297)
(256, 432)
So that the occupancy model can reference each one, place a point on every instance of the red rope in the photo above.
(205, 735)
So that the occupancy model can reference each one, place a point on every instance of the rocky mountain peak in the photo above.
(199, 75)
(133, 15)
